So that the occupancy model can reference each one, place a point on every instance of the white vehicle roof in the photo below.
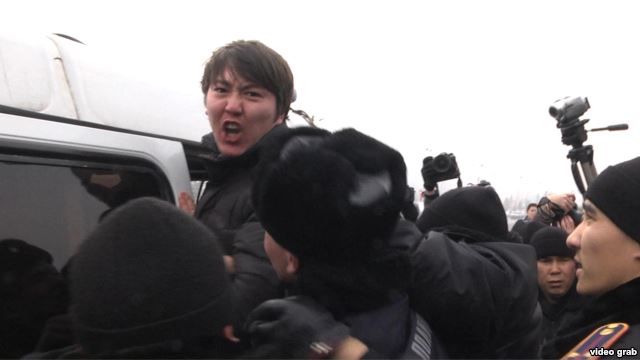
(59, 76)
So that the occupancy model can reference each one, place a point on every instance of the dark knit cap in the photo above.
(16, 258)
(148, 273)
(330, 197)
(476, 208)
(531, 228)
(616, 192)
(551, 241)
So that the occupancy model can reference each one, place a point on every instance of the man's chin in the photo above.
(231, 150)
(583, 288)
(557, 294)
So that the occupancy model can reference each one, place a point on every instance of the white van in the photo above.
(78, 138)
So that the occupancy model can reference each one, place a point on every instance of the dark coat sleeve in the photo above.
(471, 293)
(254, 280)
(227, 211)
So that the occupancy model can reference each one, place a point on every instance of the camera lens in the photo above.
(441, 164)
(555, 112)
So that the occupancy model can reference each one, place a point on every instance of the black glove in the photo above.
(295, 327)
(551, 213)
(428, 174)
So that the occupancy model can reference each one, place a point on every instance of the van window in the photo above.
(53, 204)
(47, 207)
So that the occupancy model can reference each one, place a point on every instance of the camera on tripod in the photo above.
(440, 168)
(568, 109)
(567, 112)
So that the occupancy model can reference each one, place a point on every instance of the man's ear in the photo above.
(293, 264)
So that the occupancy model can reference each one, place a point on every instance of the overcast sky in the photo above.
(474, 78)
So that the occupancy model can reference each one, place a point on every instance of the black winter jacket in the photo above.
(479, 297)
(196, 348)
(395, 332)
(563, 310)
(225, 207)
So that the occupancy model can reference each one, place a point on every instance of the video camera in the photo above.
(567, 112)
(442, 167)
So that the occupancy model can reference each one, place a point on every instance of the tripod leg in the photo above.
(577, 177)
(589, 171)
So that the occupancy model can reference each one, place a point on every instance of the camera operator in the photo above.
(559, 210)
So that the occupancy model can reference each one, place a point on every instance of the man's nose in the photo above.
(573, 240)
(234, 103)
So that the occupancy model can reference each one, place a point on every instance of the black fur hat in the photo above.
(616, 191)
(330, 197)
(551, 241)
(148, 273)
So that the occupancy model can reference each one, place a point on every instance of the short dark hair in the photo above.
(258, 64)
(531, 205)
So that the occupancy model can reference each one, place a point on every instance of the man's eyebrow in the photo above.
(250, 85)
(220, 81)
(243, 86)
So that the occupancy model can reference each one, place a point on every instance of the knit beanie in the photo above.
(476, 208)
(148, 273)
(551, 241)
(531, 228)
(616, 192)
(330, 197)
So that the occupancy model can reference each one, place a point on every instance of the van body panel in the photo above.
(109, 92)
(32, 77)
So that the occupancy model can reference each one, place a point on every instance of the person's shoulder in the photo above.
(613, 339)
(630, 339)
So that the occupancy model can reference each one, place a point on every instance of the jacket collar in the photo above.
(221, 167)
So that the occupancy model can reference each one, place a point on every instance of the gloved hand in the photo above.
(428, 173)
(552, 208)
(294, 327)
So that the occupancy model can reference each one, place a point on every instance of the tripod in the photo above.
(575, 135)
(584, 156)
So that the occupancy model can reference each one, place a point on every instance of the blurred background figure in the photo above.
(520, 225)
(532, 209)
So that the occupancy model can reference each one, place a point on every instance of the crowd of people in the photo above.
(302, 246)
